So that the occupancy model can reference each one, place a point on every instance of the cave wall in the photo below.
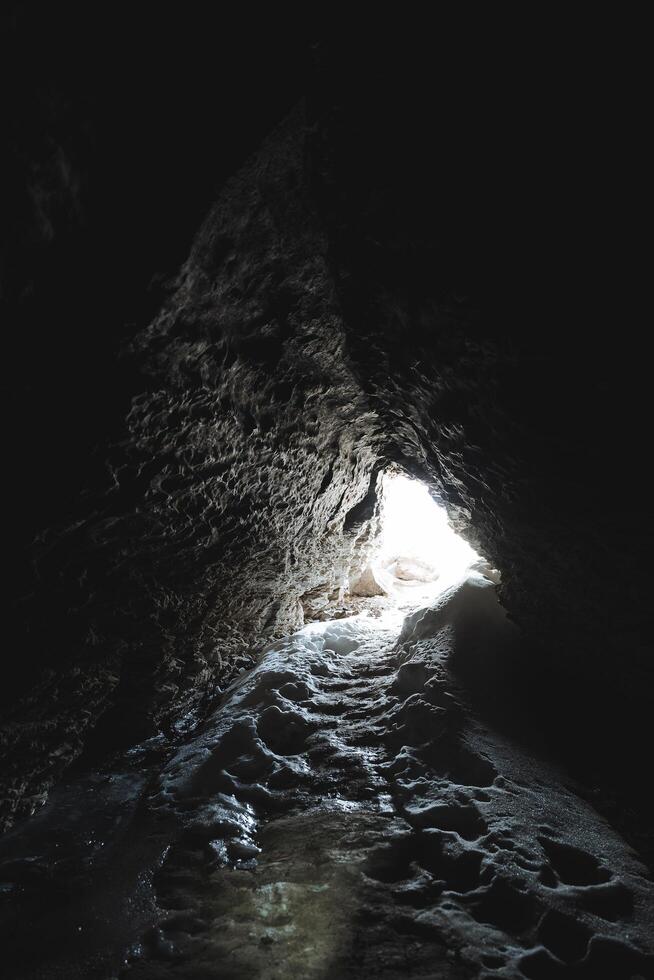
(384, 281)
(495, 379)
(480, 244)
(243, 484)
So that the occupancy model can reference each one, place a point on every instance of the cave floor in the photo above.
(341, 814)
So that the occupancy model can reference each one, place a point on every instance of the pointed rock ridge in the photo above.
(360, 295)
(234, 492)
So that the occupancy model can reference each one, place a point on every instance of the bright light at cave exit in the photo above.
(416, 532)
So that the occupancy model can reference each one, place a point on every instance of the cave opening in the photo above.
(417, 555)
(418, 545)
(264, 710)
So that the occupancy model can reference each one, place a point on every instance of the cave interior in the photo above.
(329, 531)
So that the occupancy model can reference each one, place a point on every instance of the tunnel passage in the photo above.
(340, 811)
(403, 279)
(319, 332)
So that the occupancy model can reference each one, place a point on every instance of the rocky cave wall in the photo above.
(360, 294)
(243, 485)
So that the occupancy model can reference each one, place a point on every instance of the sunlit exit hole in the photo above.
(417, 544)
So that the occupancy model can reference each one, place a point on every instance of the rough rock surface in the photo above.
(250, 461)
(402, 837)
(355, 298)
(342, 813)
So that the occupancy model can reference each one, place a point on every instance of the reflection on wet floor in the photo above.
(340, 815)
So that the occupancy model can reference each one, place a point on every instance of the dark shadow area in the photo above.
(598, 738)
(119, 128)
(428, 256)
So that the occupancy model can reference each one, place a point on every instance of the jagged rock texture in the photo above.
(244, 482)
(343, 307)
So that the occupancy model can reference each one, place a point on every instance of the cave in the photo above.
(329, 646)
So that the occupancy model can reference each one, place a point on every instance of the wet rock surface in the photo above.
(246, 464)
(341, 814)
(320, 330)
(411, 270)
